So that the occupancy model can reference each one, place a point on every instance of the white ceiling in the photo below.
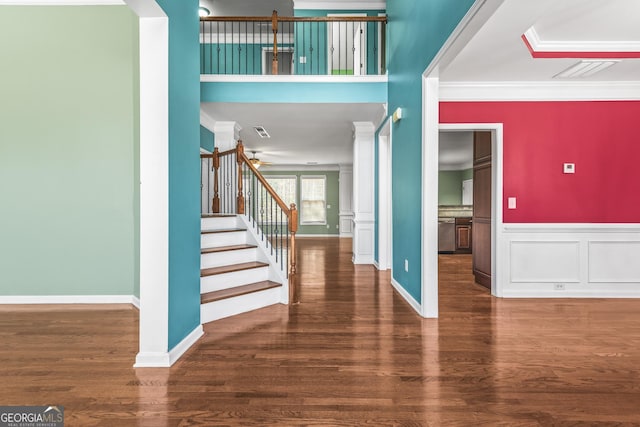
(300, 133)
(498, 53)
(455, 150)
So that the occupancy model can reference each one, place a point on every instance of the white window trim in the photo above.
(323, 177)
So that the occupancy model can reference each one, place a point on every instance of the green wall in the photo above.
(69, 149)
(416, 31)
(450, 186)
(333, 197)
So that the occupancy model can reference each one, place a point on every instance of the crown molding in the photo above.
(339, 5)
(540, 91)
(207, 121)
(579, 49)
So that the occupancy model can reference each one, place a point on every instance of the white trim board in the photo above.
(176, 352)
(540, 91)
(229, 78)
(317, 235)
(70, 299)
(406, 296)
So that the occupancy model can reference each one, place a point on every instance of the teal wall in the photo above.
(293, 92)
(184, 168)
(207, 139)
(450, 186)
(69, 151)
(416, 31)
(311, 42)
(333, 197)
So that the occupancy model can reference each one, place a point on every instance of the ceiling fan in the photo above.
(255, 161)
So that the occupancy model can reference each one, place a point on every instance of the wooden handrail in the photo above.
(294, 19)
(266, 185)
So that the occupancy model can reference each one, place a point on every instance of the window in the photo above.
(284, 186)
(313, 200)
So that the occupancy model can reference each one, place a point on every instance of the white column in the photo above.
(346, 200)
(363, 192)
(154, 184)
(227, 135)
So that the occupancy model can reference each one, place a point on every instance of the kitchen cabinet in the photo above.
(463, 235)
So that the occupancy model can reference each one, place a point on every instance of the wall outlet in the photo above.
(337, 227)
(328, 226)
(406, 265)
(328, 206)
(558, 286)
(303, 59)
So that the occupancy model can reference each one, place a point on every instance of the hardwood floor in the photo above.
(352, 353)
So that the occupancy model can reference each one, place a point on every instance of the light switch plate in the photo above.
(512, 202)
(569, 168)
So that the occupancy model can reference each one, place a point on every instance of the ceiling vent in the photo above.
(585, 69)
(262, 132)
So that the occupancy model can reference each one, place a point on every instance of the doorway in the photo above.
(464, 204)
(430, 284)
(345, 52)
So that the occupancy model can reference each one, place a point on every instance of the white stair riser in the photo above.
(241, 304)
(230, 280)
(218, 223)
(215, 240)
(218, 259)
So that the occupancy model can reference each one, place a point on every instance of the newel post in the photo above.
(274, 28)
(239, 156)
(215, 203)
(294, 294)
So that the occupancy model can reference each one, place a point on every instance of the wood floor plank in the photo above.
(352, 353)
(233, 267)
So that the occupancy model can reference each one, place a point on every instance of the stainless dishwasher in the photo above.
(446, 235)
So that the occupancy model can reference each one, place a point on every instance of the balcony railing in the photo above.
(293, 45)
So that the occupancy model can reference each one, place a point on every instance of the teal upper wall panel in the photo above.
(184, 169)
(416, 32)
(294, 92)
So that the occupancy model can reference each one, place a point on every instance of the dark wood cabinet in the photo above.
(463, 235)
(482, 208)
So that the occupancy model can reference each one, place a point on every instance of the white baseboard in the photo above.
(318, 235)
(152, 360)
(166, 359)
(69, 299)
(135, 301)
(404, 294)
(176, 352)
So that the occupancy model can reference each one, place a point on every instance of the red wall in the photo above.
(601, 138)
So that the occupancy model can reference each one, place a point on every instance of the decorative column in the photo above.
(227, 135)
(363, 192)
(346, 200)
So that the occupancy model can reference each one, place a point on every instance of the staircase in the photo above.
(238, 271)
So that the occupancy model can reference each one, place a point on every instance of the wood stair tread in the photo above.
(231, 268)
(226, 248)
(237, 291)
(223, 230)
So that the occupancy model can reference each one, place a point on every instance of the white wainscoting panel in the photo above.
(614, 262)
(544, 261)
(570, 260)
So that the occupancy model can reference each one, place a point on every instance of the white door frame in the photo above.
(384, 198)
